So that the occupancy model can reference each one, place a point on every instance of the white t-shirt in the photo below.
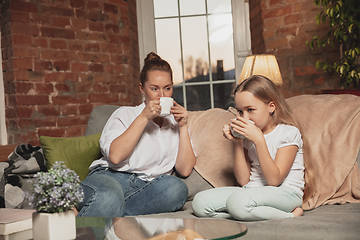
(281, 136)
(156, 151)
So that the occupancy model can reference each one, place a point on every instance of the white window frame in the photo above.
(241, 34)
(3, 133)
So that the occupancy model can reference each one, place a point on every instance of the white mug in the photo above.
(166, 103)
(236, 134)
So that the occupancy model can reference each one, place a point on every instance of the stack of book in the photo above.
(15, 224)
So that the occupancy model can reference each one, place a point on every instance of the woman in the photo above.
(140, 150)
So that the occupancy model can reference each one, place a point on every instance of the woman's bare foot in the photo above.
(298, 212)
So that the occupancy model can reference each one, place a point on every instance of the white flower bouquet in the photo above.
(55, 191)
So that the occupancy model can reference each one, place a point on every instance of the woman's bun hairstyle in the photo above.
(152, 56)
(154, 62)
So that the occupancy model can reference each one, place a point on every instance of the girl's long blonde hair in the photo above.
(265, 90)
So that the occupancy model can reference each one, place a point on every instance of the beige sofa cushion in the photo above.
(215, 154)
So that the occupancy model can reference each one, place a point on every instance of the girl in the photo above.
(140, 151)
(268, 161)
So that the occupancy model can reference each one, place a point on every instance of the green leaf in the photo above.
(341, 20)
(323, 18)
(342, 68)
(357, 50)
(353, 73)
(317, 19)
(350, 27)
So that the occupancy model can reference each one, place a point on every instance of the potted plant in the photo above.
(343, 17)
(54, 194)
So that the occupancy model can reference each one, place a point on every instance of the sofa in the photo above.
(330, 125)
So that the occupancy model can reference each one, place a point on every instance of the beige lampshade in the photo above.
(261, 64)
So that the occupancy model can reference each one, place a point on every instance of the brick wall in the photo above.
(63, 57)
(282, 27)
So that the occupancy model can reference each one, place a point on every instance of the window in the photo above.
(205, 41)
(3, 135)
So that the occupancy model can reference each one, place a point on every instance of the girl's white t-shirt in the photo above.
(282, 136)
(156, 151)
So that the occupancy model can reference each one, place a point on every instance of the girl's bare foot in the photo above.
(298, 212)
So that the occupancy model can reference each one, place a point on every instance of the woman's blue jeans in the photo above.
(110, 193)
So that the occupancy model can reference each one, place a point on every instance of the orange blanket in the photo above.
(330, 125)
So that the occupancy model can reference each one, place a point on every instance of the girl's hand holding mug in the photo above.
(242, 128)
(227, 133)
